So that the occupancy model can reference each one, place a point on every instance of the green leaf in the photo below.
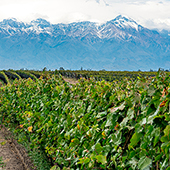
(167, 130)
(144, 162)
(130, 113)
(101, 114)
(101, 158)
(167, 116)
(151, 91)
(151, 118)
(124, 122)
(168, 168)
(108, 123)
(74, 142)
(156, 133)
(132, 154)
(84, 160)
(106, 149)
(109, 120)
(124, 158)
(54, 168)
(135, 139)
(158, 157)
(98, 148)
(87, 160)
(133, 163)
(121, 107)
(116, 138)
(164, 139)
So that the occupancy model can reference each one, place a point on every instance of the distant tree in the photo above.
(160, 69)
(61, 68)
(81, 68)
(103, 70)
(45, 69)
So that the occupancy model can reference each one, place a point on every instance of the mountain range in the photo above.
(119, 44)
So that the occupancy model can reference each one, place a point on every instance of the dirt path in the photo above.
(13, 155)
(70, 80)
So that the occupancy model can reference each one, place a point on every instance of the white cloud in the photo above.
(149, 13)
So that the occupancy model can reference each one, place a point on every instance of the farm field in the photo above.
(100, 122)
(7, 76)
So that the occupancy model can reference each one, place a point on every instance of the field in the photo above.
(108, 120)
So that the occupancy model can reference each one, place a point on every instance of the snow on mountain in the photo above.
(119, 44)
(121, 28)
(111, 29)
(125, 22)
(12, 27)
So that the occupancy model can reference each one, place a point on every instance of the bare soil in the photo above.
(71, 80)
(14, 156)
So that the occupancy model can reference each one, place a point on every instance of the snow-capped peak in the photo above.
(40, 26)
(9, 20)
(12, 22)
(121, 27)
(124, 22)
(40, 22)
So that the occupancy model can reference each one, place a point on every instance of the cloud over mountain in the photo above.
(67, 11)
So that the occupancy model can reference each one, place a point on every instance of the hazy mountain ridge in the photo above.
(119, 44)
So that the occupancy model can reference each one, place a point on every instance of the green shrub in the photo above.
(4, 78)
(93, 125)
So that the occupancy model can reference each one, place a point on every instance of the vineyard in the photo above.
(108, 120)
(7, 76)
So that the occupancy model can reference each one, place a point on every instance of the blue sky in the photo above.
(149, 13)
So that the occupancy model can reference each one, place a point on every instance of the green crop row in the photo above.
(4, 77)
(106, 75)
(77, 74)
(93, 124)
(7, 76)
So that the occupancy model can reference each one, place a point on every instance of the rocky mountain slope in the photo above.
(119, 44)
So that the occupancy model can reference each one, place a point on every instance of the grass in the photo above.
(2, 165)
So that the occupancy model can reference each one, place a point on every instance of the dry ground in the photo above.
(14, 156)
(70, 80)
